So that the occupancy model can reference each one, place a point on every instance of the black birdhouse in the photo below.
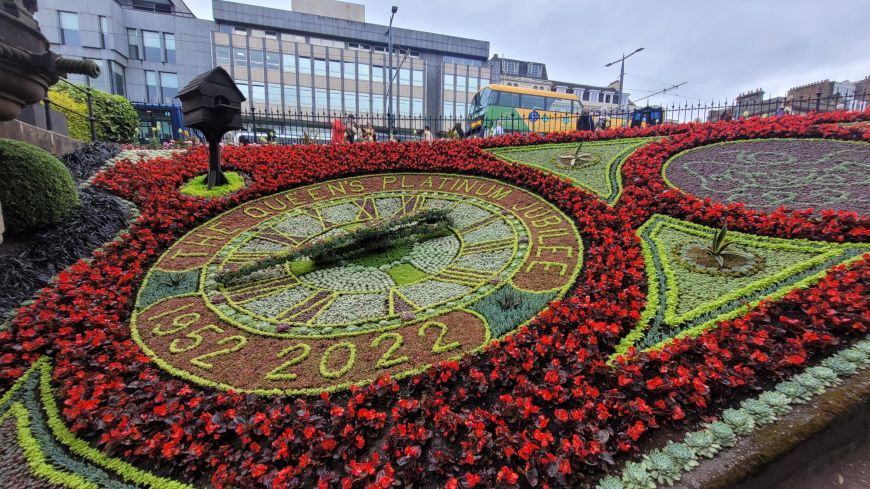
(212, 103)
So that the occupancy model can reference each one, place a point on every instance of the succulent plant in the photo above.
(760, 411)
(824, 374)
(810, 383)
(840, 366)
(853, 355)
(722, 434)
(682, 455)
(610, 482)
(778, 402)
(636, 476)
(796, 392)
(739, 420)
(863, 346)
(703, 443)
(662, 468)
(718, 246)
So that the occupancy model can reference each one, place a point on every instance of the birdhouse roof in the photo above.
(216, 77)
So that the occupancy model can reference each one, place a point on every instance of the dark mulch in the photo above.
(87, 160)
(27, 263)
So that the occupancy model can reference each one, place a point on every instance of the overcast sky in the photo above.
(720, 48)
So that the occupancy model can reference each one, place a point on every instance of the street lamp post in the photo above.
(390, 89)
(621, 62)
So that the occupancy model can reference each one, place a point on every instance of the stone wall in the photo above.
(52, 142)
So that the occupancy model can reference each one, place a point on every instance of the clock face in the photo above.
(305, 327)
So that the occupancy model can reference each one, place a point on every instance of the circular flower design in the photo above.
(394, 311)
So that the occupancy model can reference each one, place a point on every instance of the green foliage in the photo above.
(760, 411)
(406, 274)
(703, 443)
(116, 119)
(723, 434)
(683, 456)
(198, 186)
(367, 240)
(160, 284)
(509, 307)
(36, 190)
(76, 114)
(385, 256)
(662, 467)
(636, 476)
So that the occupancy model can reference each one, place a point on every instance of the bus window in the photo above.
(506, 99)
(559, 105)
(533, 101)
(576, 106)
(480, 101)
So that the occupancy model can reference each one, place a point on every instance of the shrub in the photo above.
(36, 189)
(78, 125)
(116, 119)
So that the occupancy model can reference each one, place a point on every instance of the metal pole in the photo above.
(621, 80)
(46, 103)
(91, 119)
(390, 89)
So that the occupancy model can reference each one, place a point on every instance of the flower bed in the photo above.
(545, 405)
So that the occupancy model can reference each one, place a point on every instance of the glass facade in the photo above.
(153, 49)
(169, 43)
(69, 29)
(169, 87)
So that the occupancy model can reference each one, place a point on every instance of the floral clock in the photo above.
(301, 327)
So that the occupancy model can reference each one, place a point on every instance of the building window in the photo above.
(256, 57)
(258, 33)
(615, 98)
(169, 42)
(227, 29)
(460, 83)
(222, 55)
(365, 73)
(335, 100)
(535, 70)
(151, 88)
(335, 68)
(104, 32)
(153, 50)
(290, 98)
(365, 103)
(240, 56)
(320, 99)
(350, 102)
(472, 84)
(101, 82)
(243, 87)
(304, 65)
(274, 96)
(378, 74)
(586, 95)
(447, 110)
(448, 82)
(241, 31)
(349, 71)
(134, 46)
(404, 77)
(607, 98)
(417, 107)
(510, 67)
(417, 78)
(306, 101)
(378, 104)
(258, 93)
(169, 86)
(289, 63)
(273, 61)
(271, 35)
(319, 67)
(119, 83)
(69, 29)
(601, 96)
(404, 106)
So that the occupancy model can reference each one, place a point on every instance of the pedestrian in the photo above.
(584, 122)
(352, 129)
(456, 132)
(338, 131)
(499, 130)
(726, 116)
(427, 135)
(780, 111)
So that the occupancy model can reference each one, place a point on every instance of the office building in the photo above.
(319, 57)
